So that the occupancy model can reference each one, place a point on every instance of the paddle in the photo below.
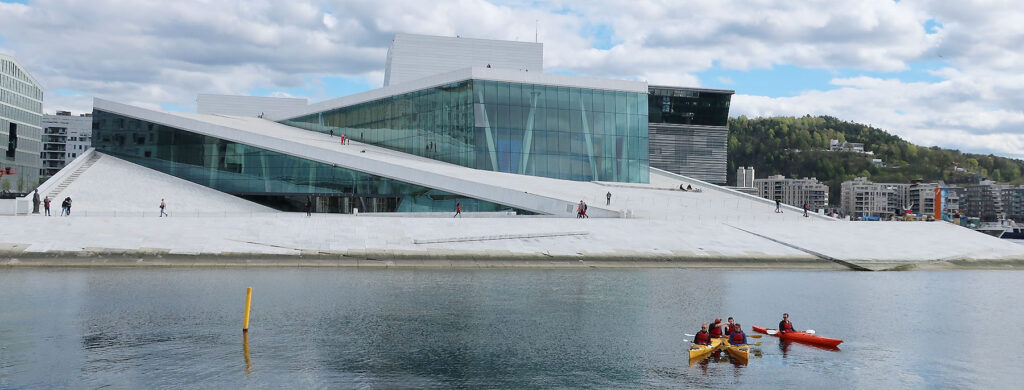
(774, 331)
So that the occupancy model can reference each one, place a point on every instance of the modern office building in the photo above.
(985, 201)
(794, 192)
(1013, 203)
(64, 138)
(21, 112)
(689, 131)
(862, 198)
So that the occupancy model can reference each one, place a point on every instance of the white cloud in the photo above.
(163, 53)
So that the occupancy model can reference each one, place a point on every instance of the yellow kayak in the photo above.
(739, 352)
(699, 351)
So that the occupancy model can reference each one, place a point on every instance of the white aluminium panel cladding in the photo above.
(475, 73)
(413, 56)
(238, 105)
(498, 187)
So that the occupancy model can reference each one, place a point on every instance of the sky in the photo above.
(937, 73)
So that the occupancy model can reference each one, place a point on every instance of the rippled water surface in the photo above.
(344, 328)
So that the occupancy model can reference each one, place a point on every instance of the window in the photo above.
(12, 140)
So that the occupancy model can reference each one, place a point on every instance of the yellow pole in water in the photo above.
(248, 304)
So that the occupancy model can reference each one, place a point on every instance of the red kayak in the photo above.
(802, 337)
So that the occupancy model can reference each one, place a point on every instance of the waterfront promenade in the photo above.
(292, 239)
(115, 222)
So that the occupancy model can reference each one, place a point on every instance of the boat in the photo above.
(802, 337)
(698, 351)
(740, 353)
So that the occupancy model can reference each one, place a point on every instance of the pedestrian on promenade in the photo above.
(579, 210)
(69, 206)
(309, 206)
(778, 206)
(46, 205)
(458, 210)
(64, 207)
(343, 139)
(609, 197)
(805, 210)
(163, 205)
(585, 210)
(332, 132)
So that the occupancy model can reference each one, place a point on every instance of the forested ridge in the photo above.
(798, 147)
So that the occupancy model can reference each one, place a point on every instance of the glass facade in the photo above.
(541, 130)
(684, 106)
(277, 180)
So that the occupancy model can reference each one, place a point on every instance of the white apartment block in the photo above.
(795, 192)
(745, 177)
(64, 138)
(863, 198)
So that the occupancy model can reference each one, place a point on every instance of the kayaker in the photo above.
(729, 326)
(703, 337)
(716, 328)
(737, 337)
(784, 325)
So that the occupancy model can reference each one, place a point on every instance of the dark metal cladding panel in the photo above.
(696, 151)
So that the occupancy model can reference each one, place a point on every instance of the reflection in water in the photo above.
(245, 351)
(151, 328)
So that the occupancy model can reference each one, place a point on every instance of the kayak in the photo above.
(738, 352)
(699, 351)
(803, 337)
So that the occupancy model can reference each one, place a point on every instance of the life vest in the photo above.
(786, 326)
(737, 338)
(702, 338)
(716, 331)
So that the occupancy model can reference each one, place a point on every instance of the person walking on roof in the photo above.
(778, 206)
(805, 210)
(46, 205)
(163, 205)
(309, 206)
(69, 205)
(585, 210)
(785, 326)
(609, 197)
(458, 210)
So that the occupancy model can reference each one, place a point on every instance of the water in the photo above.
(345, 328)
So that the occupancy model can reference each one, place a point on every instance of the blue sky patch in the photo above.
(66, 92)
(601, 34)
(789, 80)
(14, 1)
(327, 87)
(931, 26)
(174, 108)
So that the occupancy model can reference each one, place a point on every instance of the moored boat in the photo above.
(698, 351)
(802, 337)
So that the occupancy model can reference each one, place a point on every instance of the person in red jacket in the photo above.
(784, 325)
(716, 328)
(728, 327)
(703, 337)
(737, 337)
